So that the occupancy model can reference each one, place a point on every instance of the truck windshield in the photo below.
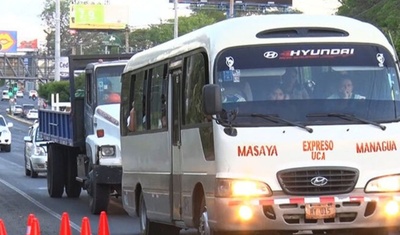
(109, 84)
(296, 81)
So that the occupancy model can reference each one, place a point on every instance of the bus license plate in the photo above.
(320, 211)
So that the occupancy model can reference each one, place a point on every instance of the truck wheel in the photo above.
(99, 197)
(72, 186)
(55, 171)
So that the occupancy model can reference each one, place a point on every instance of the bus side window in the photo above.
(195, 80)
(137, 117)
(157, 97)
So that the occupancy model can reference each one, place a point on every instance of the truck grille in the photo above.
(327, 180)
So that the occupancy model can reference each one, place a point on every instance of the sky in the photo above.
(23, 16)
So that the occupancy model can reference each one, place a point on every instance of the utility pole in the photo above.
(176, 19)
(57, 43)
(127, 38)
(231, 8)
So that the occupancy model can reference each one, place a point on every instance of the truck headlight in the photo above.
(390, 183)
(241, 188)
(107, 151)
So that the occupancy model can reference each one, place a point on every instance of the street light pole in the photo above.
(57, 43)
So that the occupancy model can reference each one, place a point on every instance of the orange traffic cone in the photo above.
(65, 228)
(29, 224)
(103, 224)
(2, 228)
(85, 226)
(35, 227)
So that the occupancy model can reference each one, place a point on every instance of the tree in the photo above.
(142, 39)
(384, 14)
(90, 42)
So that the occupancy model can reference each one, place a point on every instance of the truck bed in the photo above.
(61, 127)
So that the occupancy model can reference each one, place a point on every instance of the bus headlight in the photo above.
(241, 188)
(389, 183)
(107, 151)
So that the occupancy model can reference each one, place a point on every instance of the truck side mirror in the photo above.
(212, 99)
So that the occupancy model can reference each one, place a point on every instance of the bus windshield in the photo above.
(309, 84)
(109, 84)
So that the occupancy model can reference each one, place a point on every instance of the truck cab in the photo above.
(84, 143)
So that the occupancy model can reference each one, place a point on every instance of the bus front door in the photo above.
(176, 121)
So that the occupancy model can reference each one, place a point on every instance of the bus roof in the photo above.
(243, 30)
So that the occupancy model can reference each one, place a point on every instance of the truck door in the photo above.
(176, 121)
(90, 102)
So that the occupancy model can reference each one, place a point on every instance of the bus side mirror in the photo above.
(212, 99)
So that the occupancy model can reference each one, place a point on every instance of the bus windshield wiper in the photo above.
(276, 119)
(346, 116)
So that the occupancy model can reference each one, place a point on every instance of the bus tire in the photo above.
(148, 227)
(99, 198)
(72, 186)
(55, 172)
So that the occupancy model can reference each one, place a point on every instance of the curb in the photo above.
(20, 119)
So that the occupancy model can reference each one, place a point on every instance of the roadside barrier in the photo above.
(33, 225)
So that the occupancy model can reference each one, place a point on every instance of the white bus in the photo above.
(281, 123)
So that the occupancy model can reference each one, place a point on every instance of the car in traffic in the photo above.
(26, 108)
(33, 94)
(35, 152)
(16, 110)
(5, 134)
(32, 114)
(19, 94)
(5, 95)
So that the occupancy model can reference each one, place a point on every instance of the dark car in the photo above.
(26, 108)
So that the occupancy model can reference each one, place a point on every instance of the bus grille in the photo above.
(318, 180)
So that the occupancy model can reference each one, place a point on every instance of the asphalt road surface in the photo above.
(21, 195)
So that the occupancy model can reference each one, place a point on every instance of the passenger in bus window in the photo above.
(232, 92)
(292, 86)
(131, 121)
(278, 94)
(345, 91)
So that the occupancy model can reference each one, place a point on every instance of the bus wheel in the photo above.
(152, 228)
(204, 227)
(100, 197)
(142, 215)
(55, 171)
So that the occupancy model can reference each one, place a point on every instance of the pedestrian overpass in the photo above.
(35, 68)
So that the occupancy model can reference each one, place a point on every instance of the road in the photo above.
(21, 195)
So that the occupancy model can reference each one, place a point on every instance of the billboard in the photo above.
(98, 16)
(273, 2)
(8, 41)
(28, 45)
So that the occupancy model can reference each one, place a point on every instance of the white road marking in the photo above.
(40, 205)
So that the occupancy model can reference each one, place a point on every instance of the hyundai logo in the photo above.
(319, 181)
(270, 54)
